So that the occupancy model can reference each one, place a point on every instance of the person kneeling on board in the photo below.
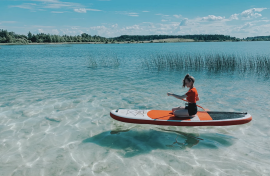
(191, 96)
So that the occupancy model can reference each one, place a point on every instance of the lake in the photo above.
(55, 102)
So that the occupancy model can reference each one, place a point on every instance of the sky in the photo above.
(112, 18)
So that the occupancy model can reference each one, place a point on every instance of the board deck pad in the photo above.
(165, 117)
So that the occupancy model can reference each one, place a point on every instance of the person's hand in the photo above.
(169, 94)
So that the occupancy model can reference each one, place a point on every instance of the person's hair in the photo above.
(189, 78)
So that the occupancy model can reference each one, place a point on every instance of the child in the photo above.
(191, 96)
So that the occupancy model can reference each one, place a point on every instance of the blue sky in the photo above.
(110, 18)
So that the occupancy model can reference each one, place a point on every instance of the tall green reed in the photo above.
(103, 61)
(214, 63)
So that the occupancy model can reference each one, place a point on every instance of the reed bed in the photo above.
(103, 61)
(217, 63)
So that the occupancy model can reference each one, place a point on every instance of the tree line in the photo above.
(12, 37)
(201, 37)
(258, 38)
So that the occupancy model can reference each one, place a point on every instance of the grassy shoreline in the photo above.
(169, 40)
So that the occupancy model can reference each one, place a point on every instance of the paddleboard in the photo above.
(164, 117)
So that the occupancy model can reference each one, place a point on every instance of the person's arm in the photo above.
(177, 96)
(197, 98)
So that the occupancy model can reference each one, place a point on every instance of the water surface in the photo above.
(54, 112)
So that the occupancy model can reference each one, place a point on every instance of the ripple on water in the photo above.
(54, 114)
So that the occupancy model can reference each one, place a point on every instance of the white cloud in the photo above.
(150, 24)
(184, 22)
(164, 20)
(127, 13)
(68, 32)
(55, 31)
(84, 10)
(96, 10)
(81, 10)
(46, 0)
(213, 18)
(48, 30)
(134, 27)
(177, 16)
(40, 31)
(98, 27)
(247, 14)
(247, 25)
(133, 14)
(59, 5)
(114, 25)
(250, 13)
(259, 21)
(39, 26)
(101, 30)
(234, 17)
(54, 4)
(248, 29)
(259, 9)
(26, 6)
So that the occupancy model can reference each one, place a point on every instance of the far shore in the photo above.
(169, 40)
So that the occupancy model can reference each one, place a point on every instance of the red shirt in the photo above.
(191, 95)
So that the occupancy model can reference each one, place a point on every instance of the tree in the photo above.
(68, 39)
(84, 35)
(53, 39)
(29, 35)
(62, 39)
(8, 39)
(39, 40)
(57, 38)
(34, 38)
(49, 38)
(3, 40)
(79, 38)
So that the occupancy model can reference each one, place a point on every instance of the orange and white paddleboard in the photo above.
(164, 117)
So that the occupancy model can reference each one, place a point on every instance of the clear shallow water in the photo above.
(54, 113)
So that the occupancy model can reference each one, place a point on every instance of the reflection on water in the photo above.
(133, 142)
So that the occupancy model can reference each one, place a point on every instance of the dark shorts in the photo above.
(192, 108)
